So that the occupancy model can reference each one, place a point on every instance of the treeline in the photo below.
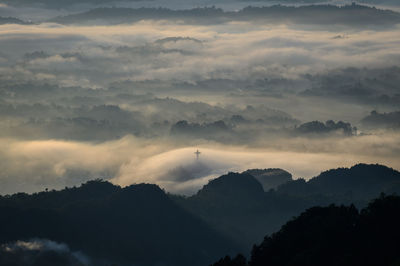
(236, 204)
(137, 224)
(331, 236)
(142, 224)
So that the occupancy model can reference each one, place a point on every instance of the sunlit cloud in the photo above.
(126, 80)
(35, 165)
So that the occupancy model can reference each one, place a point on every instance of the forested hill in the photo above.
(142, 224)
(137, 224)
(331, 236)
(237, 205)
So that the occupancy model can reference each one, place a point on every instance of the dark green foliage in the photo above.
(358, 182)
(137, 224)
(236, 205)
(142, 224)
(239, 260)
(331, 236)
(327, 226)
(336, 236)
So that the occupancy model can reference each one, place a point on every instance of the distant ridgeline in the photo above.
(142, 224)
(351, 15)
(68, 3)
(11, 20)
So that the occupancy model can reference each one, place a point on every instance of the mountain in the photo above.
(270, 178)
(241, 186)
(333, 235)
(236, 205)
(142, 224)
(347, 185)
(137, 224)
(350, 15)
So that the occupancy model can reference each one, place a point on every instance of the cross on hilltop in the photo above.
(197, 154)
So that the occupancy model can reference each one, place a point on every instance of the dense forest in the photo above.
(143, 224)
(332, 235)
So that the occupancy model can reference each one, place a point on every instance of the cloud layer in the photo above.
(132, 102)
(36, 165)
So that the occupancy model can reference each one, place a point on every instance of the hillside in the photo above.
(333, 235)
(270, 178)
(236, 205)
(137, 224)
(142, 224)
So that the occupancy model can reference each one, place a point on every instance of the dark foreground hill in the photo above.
(137, 224)
(237, 205)
(270, 178)
(142, 225)
(331, 236)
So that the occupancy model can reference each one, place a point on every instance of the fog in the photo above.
(131, 102)
(36, 251)
(36, 165)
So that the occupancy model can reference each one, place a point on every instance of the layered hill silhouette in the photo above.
(141, 224)
(351, 15)
(137, 224)
(353, 184)
(270, 178)
(237, 205)
(332, 235)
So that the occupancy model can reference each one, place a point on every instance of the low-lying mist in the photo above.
(35, 165)
(132, 102)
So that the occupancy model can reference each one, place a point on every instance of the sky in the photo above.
(129, 99)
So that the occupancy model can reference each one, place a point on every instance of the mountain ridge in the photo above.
(356, 15)
(228, 215)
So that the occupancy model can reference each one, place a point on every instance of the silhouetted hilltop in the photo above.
(91, 190)
(143, 225)
(358, 183)
(236, 205)
(333, 235)
(240, 186)
(137, 224)
(270, 178)
(352, 15)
